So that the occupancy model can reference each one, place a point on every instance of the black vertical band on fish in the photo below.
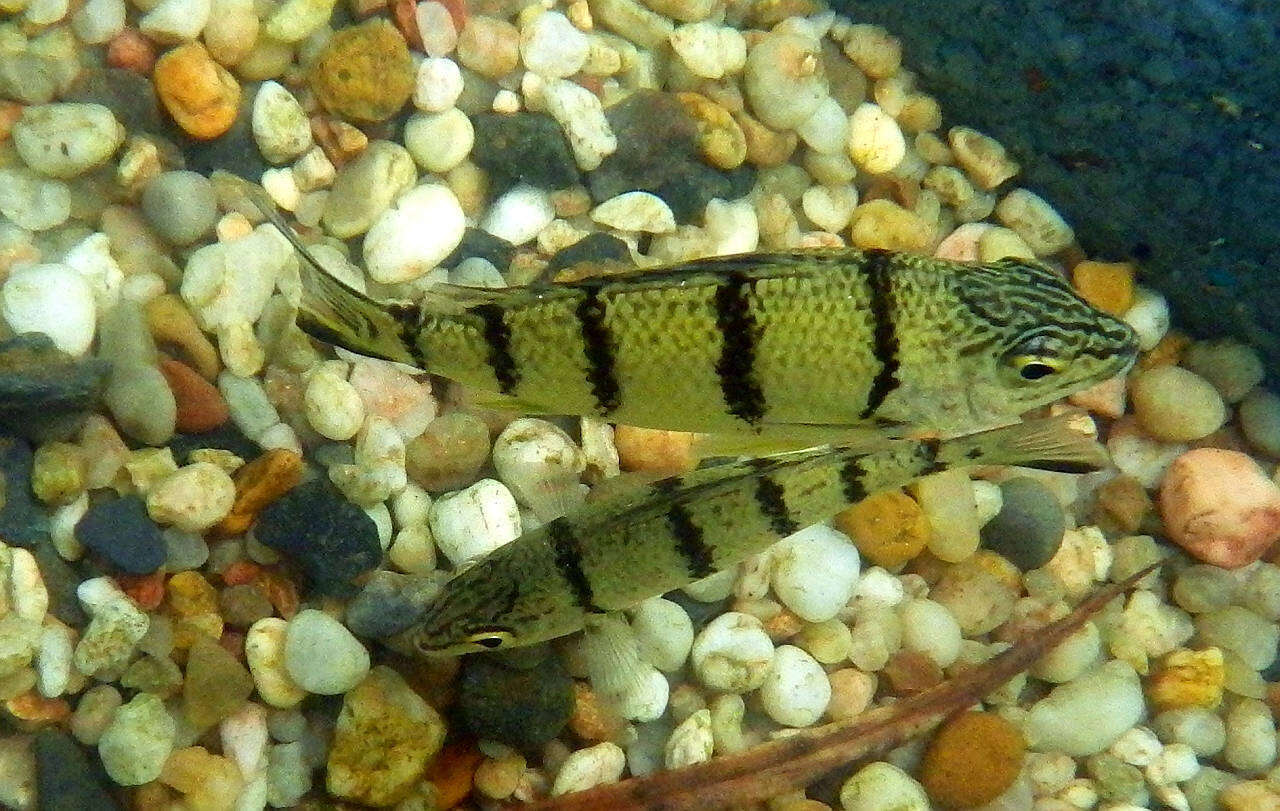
(598, 350)
(852, 475)
(736, 366)
(687, 534)
(497, 336)
(885, 331)
(409, 319)
(928, 453)
(772, 500)
(568, 557)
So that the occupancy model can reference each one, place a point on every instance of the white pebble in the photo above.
(379, 466)
(439, 141)
(232, 281)
(712, 588)
(136, 743)
(27, 595)
(321, 655)
(243, 735)
(732, 653)
(691, 742)
(398, 248)
(929, 628)
(733, 226)
(280, 125)
(636, 211)
(795, 691)
(815, 572)
(53, 659)
(295, 20)
(664, 633)
(1251, 737)
(882, 786)
(827, 130)
(33, 202)
(709, 50)
(1087, 715)
(439, 83)
(784, 80)
(581, 115)
(97, 21)
(192, 498)
(91, 258)
(264, 647)
(435, 24)
(332, 405)
(173, 21)
(1033, 219)
(541, 465)
(829, 207)
(52, 299)
(551, 47)
(1260, 421)
(519, 214)
(66, 140)
(875, 142)
(1149, 317)
(1137, 747)
(413, 550)
(586, 768)
(471, 522)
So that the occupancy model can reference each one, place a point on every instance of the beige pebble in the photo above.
(1176, 405)
(982, 156)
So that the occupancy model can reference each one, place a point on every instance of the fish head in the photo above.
(472, 612)
(1028, 338)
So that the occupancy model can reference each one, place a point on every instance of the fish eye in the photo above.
(490, 639)
(1036, 367)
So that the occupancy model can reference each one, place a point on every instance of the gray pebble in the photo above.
(1029, 527)
(181, 206)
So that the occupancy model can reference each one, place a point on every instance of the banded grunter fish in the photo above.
(646, 539)
(803, 340)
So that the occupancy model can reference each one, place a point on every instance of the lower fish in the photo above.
(810, 344)
(648, 538)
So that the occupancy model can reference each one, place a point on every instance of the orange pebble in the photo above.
(241, 572)
(132, 51)
(201, 96)
(1108, 286)
(666, 453)
(258, 483)
(280, 591)
(453, 773)
(972, 759)
(1165, 353)
(30, 710)
(404, 12)
(10, 112)
(147, 590)
(201, 407)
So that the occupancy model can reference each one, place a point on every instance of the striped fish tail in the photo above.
(338, 314)
(1058, 444)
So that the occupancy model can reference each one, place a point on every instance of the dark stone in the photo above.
(44, 392)
(1150, 126)
(332, 540)
(657, 141)
(389, 603)
(1029, 527)
(479, 243)
(67, 780)
(244, 604)
(128, 95)
(61, 579)
(526, 147)
(523, 708)
(23, 521)
(594, 247)
(689, 191)
(121, 531)
(477, 95)
(234, 151)
(700, 613)
(225, 437)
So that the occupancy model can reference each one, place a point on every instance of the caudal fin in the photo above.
(334, 312)
(1058, 443)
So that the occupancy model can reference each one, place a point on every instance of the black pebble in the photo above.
(61, 579)
(332, 540)
(596, 247)
(225, 437)
(23, 521)
(65, 780)
(700, 613)
(121, 531)
(45, 393)
(526, 147)
(129, 96)
(522, 708)
(484, 245)
(1029, 527)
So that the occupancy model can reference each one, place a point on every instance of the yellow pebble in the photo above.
(202, 96)
(193, 607)
(1106, 285)
(1188, 678)
(720, 139)
(888, 528)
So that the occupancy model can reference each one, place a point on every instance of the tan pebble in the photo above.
(1124, 501)
(364, 72)
(1250, 795)
(498, 778)
(765, 147)
(1107, 398)
(874, 50)
(1187, 678)
(909, 672)
(257, 484)
(982, 156)
(851, 693)
(489, 46)
(593, 718)
(650, 450)
(207, 781)
(200, 95)
(1038, 223)
(1109, 286)
(174, 328)
(1176, 405)
(264, 653)
(31, 711)
(720, 138)
(1220, 506)
(998, 242)
(58, 473)
(882, 224)
(920, 113)
(131, 50)
(192, 605)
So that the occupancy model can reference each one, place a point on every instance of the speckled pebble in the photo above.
(138, 740)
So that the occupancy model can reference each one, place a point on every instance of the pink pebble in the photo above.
(1220, 507)
(961, 245)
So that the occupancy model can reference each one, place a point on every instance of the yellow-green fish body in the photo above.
(821, 338)
(655, 537)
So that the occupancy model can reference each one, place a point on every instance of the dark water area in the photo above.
(1153, 126)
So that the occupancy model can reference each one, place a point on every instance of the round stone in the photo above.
(1030, 525)
(181, 206)
(321, 655)
(364, 72)
(972, 759)
(1176, 405)
(65, 140)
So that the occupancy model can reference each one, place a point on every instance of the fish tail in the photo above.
(338, 314)
(1061, 444)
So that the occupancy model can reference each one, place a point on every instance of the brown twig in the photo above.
(782, 765)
